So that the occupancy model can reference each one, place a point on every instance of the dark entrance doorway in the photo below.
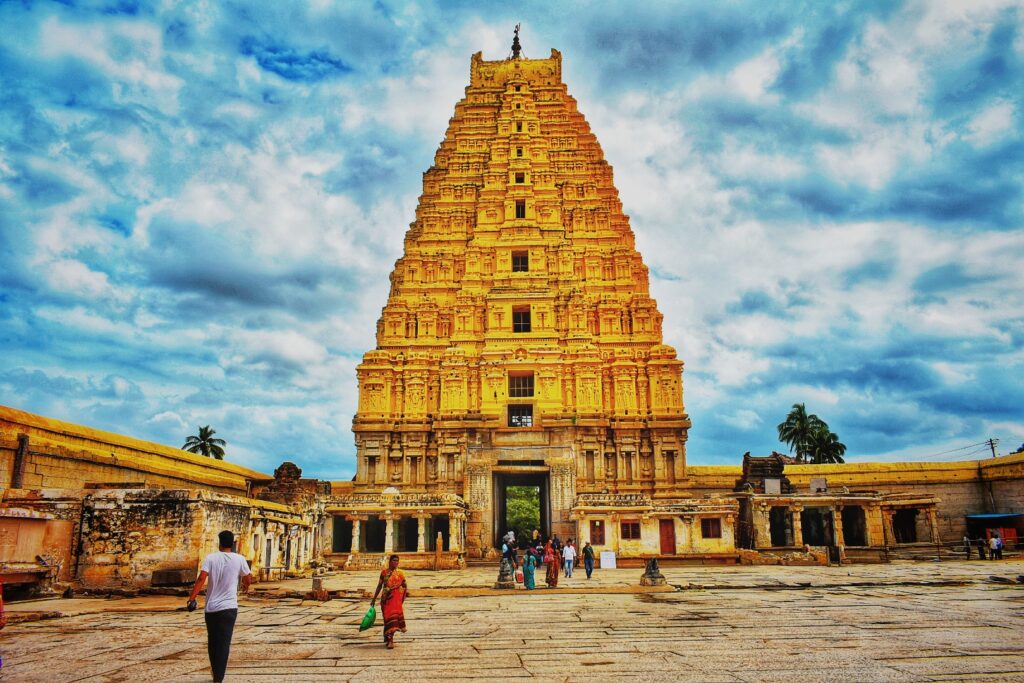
(904, 525)
(521, 504)
(816, 524)
(667, 531)
(854, 526)
(780, 521)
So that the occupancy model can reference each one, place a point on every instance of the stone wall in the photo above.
(38, 452)
(963, 488)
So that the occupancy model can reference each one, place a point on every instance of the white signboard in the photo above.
(819, 485)
(773, 487)
(607, 559)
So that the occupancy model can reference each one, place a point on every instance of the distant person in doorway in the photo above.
(995, 547)
(530, 569)
(588, 558)
(393, 591)
(551, 562)
(569, 557)
(223, 569)
(967, 546)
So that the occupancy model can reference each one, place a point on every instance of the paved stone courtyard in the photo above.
(899, 622)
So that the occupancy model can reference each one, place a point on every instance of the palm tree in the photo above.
(825, 446)
(205, 444)
(797, 430)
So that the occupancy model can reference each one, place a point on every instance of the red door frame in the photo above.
(667, 532)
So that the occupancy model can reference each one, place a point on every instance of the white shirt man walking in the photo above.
(569, 555)
(223, 568)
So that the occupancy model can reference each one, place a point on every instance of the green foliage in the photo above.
(810, 437)
(522, 511)
(205, 444)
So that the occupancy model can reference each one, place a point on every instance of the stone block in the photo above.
(173, 577)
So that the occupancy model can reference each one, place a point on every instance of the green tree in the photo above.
(522, 511)
(796, 431)
(825, 446)
(205, 444)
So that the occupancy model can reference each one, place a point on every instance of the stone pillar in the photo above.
(890, 535)
(355, 535)
(933, 522)
(762, 525)
(421, 545)
(798, 529)
(456, 529)
(389, 536)
(837, 525)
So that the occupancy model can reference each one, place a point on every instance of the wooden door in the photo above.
(667, 527)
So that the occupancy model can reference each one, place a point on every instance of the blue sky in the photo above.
(200, 204)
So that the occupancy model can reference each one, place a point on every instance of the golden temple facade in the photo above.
(519, 342)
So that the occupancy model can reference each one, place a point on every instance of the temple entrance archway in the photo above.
(521, 500)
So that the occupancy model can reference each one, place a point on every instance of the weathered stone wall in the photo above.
(127, 534)
(63, 455)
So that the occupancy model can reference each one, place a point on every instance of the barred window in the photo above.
(521, 319)
(520, 208)
(520, 416)
(520, 386)
(520, 261)
(630, 531)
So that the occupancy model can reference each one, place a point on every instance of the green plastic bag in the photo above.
(369, 619)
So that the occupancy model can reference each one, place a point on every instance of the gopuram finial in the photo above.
(516, 47)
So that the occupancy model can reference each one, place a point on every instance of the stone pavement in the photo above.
(900, 622)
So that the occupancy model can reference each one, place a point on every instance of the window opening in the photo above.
(521, 319)
(520, 178)
(596, 532)
(520, 386)
(520, 261)
(520, 208)
(711, 527)
(519, 127)
(519, 151)
(520, 416)
(630, 531)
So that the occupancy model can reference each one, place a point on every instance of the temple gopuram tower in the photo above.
(519, 343)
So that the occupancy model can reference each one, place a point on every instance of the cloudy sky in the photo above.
(200, 203)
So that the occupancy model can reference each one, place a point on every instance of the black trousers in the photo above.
(219, 628)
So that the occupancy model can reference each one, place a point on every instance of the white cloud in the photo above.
(991, 123)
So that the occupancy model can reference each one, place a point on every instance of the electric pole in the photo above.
(992, 444)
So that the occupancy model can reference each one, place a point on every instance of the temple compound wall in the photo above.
(98, 510)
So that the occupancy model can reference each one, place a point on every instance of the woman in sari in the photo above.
(395, 590)
(529, 567)
(551, 578)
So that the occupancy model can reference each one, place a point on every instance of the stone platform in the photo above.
(899, 622)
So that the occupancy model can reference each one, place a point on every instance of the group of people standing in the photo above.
(994, 545)
(555, 556)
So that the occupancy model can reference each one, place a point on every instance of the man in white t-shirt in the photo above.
(223, 568)
(569, 555)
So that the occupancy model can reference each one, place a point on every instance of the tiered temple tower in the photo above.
(519, 342)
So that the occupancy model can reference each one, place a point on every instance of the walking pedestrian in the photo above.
(569, 555)
(967, 546)
(551, 562)
(588, 558)
(993, 547)
(529, 569)
(223, 569)
(392, 583)
(981, 547)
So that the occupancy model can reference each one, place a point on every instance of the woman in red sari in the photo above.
(551, 565)
(392, 582)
